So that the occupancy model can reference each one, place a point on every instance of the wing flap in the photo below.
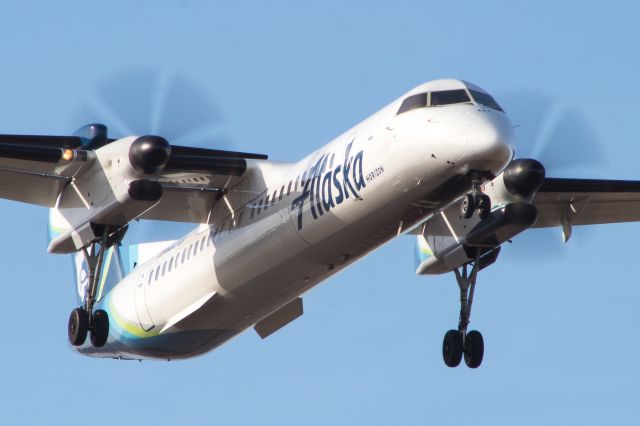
(183, 204)
(190, 196)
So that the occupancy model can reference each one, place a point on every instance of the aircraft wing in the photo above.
(194, 180)
(566, 202)
(189, 197)
(34, 169)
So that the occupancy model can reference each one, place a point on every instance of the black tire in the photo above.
(467, 206)
(484, 206)
(100, 328)
(78, 326)
(452, 348)
(473, 349)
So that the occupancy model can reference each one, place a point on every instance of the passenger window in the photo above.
(266, 202)
(150, 276)
(289, 189)
(184, 255)
(170, 264)
(189, 252)
(448, 97)
(413, 102)
(253, 212)
(157, 273)
(273, 198)
(303, 180)
(202, 243)
(281, 193)
(164, 267)
(260, 205)
(296, 187)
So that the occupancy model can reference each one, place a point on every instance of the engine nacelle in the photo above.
(149, 154)
(518, 182)
(111, 193)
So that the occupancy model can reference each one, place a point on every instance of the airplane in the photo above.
(437, 163)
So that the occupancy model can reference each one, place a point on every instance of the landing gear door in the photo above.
(144, 318)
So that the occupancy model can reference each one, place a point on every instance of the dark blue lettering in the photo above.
(327, 199)
(357, 166)
(337, 184)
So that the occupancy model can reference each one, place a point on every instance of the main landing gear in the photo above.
(84, 320)
(462, 342)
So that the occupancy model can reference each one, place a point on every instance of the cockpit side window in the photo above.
(485, 99)
(413, 102)
(448, 97)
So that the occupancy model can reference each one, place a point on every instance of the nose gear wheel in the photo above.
(475, 202)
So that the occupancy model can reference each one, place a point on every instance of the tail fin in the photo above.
(422, 250)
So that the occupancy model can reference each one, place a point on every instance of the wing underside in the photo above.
(36, 169)
(562, 202)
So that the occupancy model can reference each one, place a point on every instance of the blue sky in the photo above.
(560, 325)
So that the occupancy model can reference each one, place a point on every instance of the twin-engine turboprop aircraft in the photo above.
(437, 163)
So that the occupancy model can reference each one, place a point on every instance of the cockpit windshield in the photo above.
(449, 97)
(485, 99)
(434, 99)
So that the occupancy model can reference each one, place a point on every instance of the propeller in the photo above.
(564, 141)
(166, 110)
(162, 107)
(145, 101)
(558, 136)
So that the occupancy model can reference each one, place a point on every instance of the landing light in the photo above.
(67, 154)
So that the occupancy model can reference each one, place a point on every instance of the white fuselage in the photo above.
(288, 226)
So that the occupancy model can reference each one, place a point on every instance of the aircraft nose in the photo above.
(488, 138)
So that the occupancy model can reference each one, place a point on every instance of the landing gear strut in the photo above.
(460, 342)
(84, 320)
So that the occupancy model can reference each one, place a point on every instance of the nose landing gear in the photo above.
(459, 342)
(476, 200)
